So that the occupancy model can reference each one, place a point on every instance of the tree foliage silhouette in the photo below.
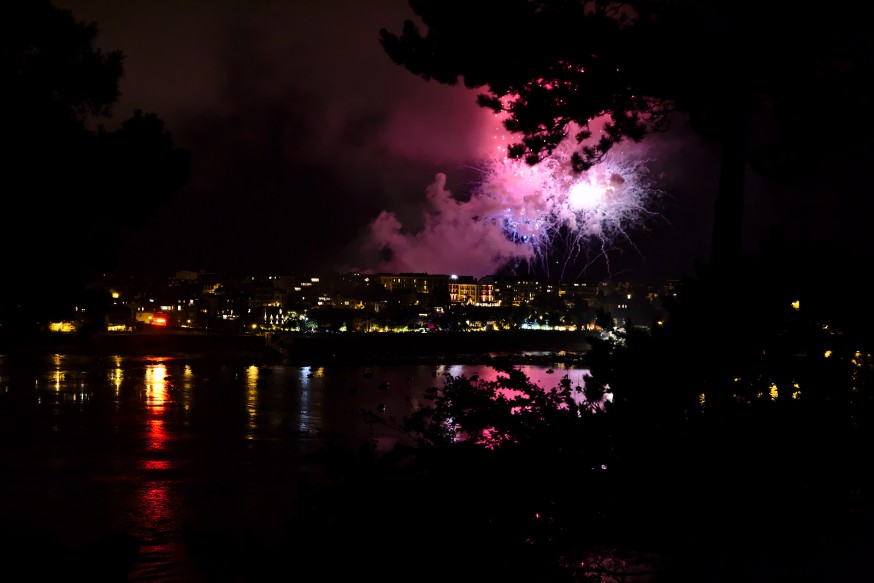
(551, 62)
(71, 186)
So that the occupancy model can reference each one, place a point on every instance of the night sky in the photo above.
(302, 131)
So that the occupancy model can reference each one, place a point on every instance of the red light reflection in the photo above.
(157, 436)
(155, 499)
(157, 465)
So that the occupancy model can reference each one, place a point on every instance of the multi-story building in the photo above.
(486, 293)
(463, 289)
(509, 290)
(578, 293)
(421, 283)
(629, 303)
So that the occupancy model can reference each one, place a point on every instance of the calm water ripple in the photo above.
(155, 447)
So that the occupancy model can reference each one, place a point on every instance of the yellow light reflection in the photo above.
(57, 360)
(156, 386)
(187, 387)
(773, 391)
(251, 398)
(116, 377)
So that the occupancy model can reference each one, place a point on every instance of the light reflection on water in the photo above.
(154, 516)
(149, 446)
(251, 399)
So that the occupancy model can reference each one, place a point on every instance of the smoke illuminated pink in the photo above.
(517, 212)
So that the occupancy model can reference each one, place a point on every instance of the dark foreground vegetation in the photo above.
(734, 454)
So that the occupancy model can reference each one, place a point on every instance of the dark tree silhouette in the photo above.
(724, 64)
(71, 186)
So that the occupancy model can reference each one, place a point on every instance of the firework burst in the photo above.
(549, 205)
(518, 214)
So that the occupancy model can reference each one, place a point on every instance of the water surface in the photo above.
(151, 446)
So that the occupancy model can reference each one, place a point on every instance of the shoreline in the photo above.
(319, 348)
(466, 347)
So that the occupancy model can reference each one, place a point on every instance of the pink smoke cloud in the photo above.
(455, 239)
(516, 212)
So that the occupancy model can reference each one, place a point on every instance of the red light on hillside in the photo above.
(159, 320)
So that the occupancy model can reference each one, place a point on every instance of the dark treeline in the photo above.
(72, 187)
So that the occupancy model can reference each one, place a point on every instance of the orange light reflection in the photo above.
(251, 399)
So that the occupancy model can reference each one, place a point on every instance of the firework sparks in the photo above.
(591, 210)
